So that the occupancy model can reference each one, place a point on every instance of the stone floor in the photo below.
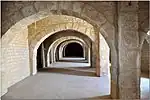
(75, 58)
(66, 83)
(70, 62)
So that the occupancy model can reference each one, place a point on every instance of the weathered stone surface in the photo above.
(128, 29)
(22, 4)
(65, 5)
(132, 76)
(107, 8)
(129, 51)
(129, 93)
(97, 17)
(128, 60)
(114, 73)
(52, 5)
(128, 6)
(145, 25)
(77, 7)
(107, 28)
(39, 6)
(143, 15)
(28, 11)
(16, 16)
(143, 5)
(6, 25)
(8, 9)
(114, 89)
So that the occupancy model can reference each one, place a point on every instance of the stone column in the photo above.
(52, 55)
(63, 51)
(86, 53)
(89, 55)
(96, 51)
(129, 52)
(93, 59)
(43, 55)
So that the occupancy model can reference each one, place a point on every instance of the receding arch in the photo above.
(40, 37)
(79, 51)
(66, 45)
(60, 40)
(20, 26)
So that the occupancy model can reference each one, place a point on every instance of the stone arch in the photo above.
(60, 40)
(38, 36)
(97, 19)
(26, 15)
(26, 9)
(77, 9)
(65, 43)
(145, 44)
(145, 36)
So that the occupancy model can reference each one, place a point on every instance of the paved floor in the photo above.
(75, 58)
(52, 85)
(68, 64)
(66, 83)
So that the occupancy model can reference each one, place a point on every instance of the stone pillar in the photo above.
(96, 52)
(93, 56)
(89, 55)
(86, 53)
(63, 51)
(43, 55)
(129, 52)
(52, 55)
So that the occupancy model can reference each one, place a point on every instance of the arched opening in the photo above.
(73, 50)
(145, 71)
(37, 54)
(145, 57)
(34, 40)
(39, 58)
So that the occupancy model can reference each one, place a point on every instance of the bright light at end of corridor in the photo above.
(148, 32)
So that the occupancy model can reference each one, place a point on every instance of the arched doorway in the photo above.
(145, 71)
(31, 39)
(73, 50)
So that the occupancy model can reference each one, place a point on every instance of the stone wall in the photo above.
(104, 56)
(15, 60)
(145, 57)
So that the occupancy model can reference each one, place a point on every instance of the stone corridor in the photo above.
(75, 50)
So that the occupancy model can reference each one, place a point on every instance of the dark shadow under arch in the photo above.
(73, 50)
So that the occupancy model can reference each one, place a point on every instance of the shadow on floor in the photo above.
(74, 61)
(105, 97)
(71, 71)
